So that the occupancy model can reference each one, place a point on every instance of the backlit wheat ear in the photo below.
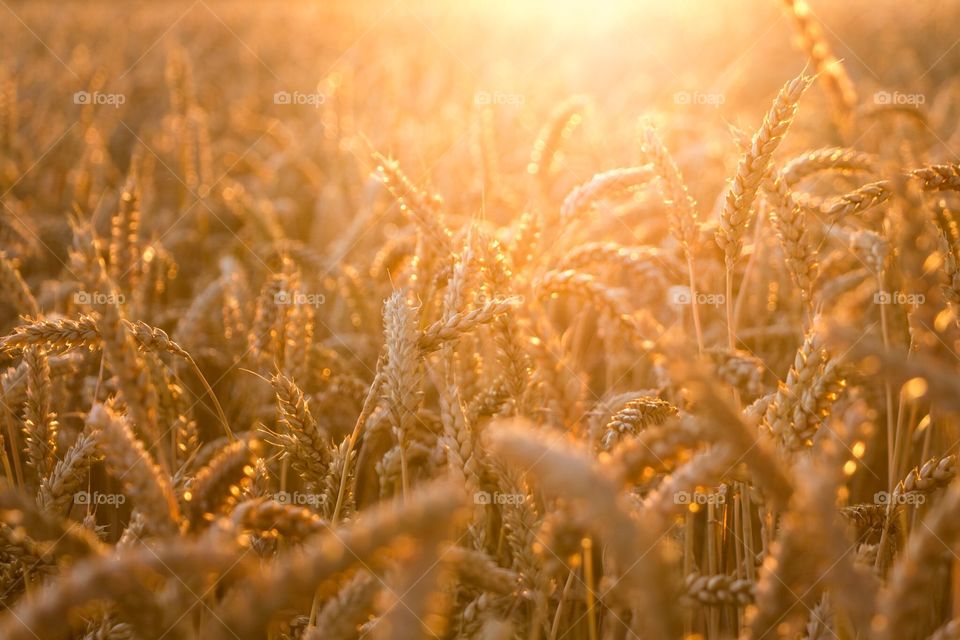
(831, 72)
(219, 481)
(343, 614)
(841, 160)
(40, 423)
(423, 208)
(130, 463)
(565, 117)
(401, 371)
(901, 603)
(570, 472)
(70, 473)
(300, 438)
(681, 207)
(753, 167)
(135, 573)
(368, 539)
(615, 183)
(790, 221)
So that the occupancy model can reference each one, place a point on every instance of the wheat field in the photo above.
(403, 319)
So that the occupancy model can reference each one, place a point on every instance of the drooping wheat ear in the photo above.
(292, 579)
(753, 168)
(656, 449)
(154, 339)
(264, 515)
(129, 462)
(423, 208)
(15, 289)
(681, 207)
(724, 423)
(609, 185)
(832, 73)
(341, 617)
(52, 535)
(574, 283)
(707, 468)
(565, 471)
(856, 201)
(40, 422)
(463, 322)
(634, 417)
(935, 473)
(718, 590)
(300, 438)
(61, 335)
(842, 160)
(479, 570)
(220, 481)
(902, 606)
(739, 369)
(941, 177)
(401, 371)
(795, 235)
(55, 335)
(131, 579)
(564, 118)
(938, 177)
(70, 473)
(643, 261)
